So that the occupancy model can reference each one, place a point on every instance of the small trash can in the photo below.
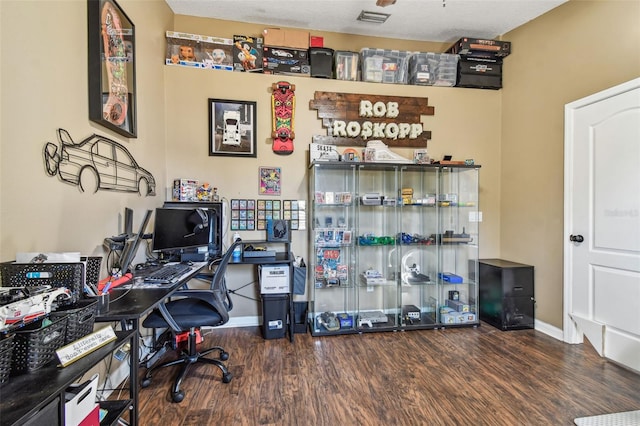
(274, 315)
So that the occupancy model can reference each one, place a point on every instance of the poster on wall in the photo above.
(232, 128)
(269, 178)
(112, 70)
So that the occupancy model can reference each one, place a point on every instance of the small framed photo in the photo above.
(269, 178)
(232, 128)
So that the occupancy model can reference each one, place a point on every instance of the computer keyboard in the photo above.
(167, 274)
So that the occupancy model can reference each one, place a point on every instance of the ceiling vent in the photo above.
(373, 17)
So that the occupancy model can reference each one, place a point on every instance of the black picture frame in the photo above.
(232, 128)
(112, 68)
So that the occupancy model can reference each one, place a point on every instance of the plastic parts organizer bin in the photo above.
(35, 346)
(80, 319)
(6, 349)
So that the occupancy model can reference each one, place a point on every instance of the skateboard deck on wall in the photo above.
(283, 103)
(115, 109)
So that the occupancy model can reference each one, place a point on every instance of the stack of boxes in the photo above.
(480, 63)
(470, 62)
(286, 52)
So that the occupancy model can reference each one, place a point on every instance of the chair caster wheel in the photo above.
(226, 378)
(224, 356)
(145, 382)
(178, 396)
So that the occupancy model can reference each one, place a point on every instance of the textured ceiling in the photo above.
(426, 20)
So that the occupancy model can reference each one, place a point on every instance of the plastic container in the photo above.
(274, 315)
(433, 69)
(35, 346)
(346, 65)
(80, 318)
(5, 357)
(385, 66)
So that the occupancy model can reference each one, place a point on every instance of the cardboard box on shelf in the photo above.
(293, 39)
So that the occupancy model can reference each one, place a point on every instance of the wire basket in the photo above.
(92, 272)
(35, 346)
(80, 319)
(6, 349)
(69, 275)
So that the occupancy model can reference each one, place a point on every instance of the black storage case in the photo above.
(274, 315)
(506, 294)
(479, 73)
(321, 61)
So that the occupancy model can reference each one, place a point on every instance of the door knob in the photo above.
(576, 238)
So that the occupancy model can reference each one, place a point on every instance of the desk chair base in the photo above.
(191, 356)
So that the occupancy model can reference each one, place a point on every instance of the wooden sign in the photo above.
(353, 119)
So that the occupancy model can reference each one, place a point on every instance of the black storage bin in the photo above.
(300, 317)
(80, 319)
(274, 315)
(57, 275)
(479, 73)
(35, 346)
(321, 61)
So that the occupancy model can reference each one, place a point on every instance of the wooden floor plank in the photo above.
(455, 376)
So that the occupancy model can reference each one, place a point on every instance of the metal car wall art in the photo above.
(96, 162)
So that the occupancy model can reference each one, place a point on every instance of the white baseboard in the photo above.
(251, 321)
(549, 330)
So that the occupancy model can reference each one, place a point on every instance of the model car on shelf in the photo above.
(23, 305)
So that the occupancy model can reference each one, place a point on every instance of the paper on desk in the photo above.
(41, 257)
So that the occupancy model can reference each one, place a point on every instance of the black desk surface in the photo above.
(25, 394)
(135, 302)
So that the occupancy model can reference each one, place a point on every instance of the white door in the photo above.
(602, 223)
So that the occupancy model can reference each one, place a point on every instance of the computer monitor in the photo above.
(216, 225)
(178, 231)
(132, 243)
(128, 221)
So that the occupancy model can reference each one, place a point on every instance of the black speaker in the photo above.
(321, 60)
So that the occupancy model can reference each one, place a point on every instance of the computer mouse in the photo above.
(187, 262)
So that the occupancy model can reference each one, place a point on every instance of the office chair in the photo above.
(194, 309)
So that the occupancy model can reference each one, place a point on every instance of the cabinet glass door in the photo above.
(333, 305)
(417, 253)
(458, 239)
(377, 227)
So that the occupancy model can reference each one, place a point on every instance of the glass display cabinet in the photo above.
(332, 232)
(395, 246)
(458, 244)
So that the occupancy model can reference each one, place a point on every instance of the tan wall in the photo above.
(575, 50)
(466, 124)
(44, 87)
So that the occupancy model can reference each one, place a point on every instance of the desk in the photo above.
(42, 391)
(131, 305)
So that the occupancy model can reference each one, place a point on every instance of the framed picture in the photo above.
(269, 178)
(232, 128)
(112, 68)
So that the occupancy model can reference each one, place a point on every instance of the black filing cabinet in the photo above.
(506, 294)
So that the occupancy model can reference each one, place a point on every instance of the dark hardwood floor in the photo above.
(455, 376)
